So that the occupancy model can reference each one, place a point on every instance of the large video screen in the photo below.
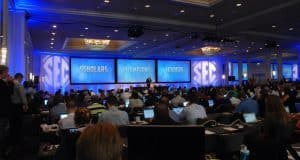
(173, 71)
(92, 70)
(287, 71)
(135, 71)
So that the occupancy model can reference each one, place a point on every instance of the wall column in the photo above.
(3, 29)
(16, 47)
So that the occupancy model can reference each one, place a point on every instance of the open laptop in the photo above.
(62, 116)
(185, 103)
(148, 113)
(211, 103)
(250, 117)
(177, 110)
(287, 109)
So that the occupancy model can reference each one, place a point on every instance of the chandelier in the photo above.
(209, 50)
(96, 43)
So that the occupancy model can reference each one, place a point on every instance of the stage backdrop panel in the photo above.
(207, 72)
(92, 70)
(173, 71)
(135, 70)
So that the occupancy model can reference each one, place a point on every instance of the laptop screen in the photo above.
(62, 116)
(178, 110)
(210, 102)
(148, 113)
(287, 109)
(249, 117)
(185, 104)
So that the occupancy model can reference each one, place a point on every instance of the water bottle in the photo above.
(244, 153)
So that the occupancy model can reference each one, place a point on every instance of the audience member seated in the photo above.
(125, 95)
(161, 115)
(68, 122)
(135, 102)
(177, 100)
(99, 142)
(271, 142)
(114, 115)
(193, 111)
(95, 106)
(58, 108)
(248, 105)
(222, 104)
(67, 148)
(233, 100)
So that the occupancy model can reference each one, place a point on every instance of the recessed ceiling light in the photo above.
(154, 40)
(51, 47)
(1, 36)
(52, 39)
(211, 15)
(51, 43)
(167, 35)
(81, 35)
(249, 47)
(237, 41)
(132, 38)
(147, 6)
(136, 47)
(145, 44)
(86, 28)
(238, 4)
(116, 30)
(54, 26)
(53, 33)
(106, 1)
(235, 46)
(108, 36)
(278, 45)
(247, 50)
(182, 11)
(260, 48)
(290, 29)
(274, 26)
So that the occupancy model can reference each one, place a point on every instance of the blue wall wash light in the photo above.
(173, 71)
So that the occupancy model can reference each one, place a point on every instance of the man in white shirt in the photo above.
(193, 111)
(114, 115)
(177, 100)
(68, 122)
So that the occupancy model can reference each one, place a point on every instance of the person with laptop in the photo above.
(247, 105)
(193, 111)
(95, 107)
(177, 100)
(68, 122)
(67, 147)
(114, 115)
(161, 115)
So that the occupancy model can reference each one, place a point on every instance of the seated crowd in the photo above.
(90, 126)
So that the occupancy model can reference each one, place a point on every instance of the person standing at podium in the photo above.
(148, 81)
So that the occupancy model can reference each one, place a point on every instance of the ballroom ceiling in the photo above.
(238, 27)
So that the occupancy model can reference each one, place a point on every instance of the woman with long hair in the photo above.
(99, 142)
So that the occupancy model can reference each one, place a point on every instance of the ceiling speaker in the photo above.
(135, 31)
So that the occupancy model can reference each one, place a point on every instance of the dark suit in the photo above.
(6, 90)
(5, 104)
(148, 81)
